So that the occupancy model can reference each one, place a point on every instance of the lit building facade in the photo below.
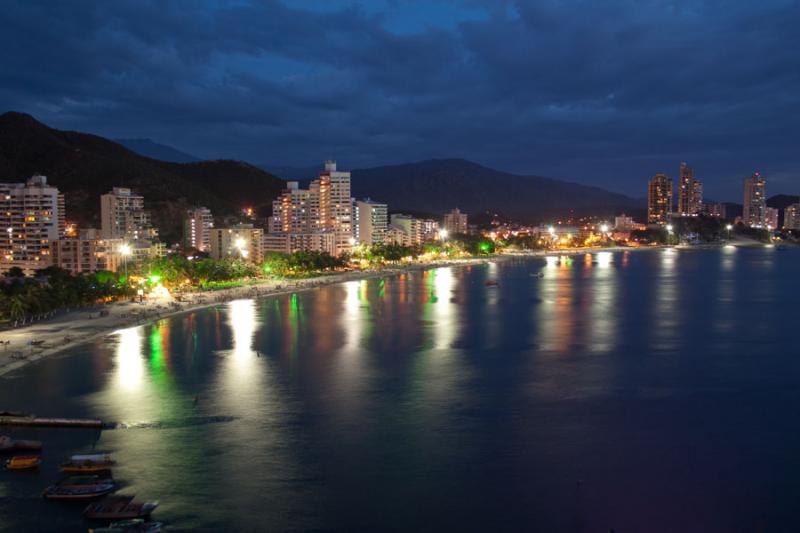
(455, 222)
(659, 200)
(690, 193)
(291, 211)
(413, 228)
(772, 217)
(372, 222)
(287, 243)
(332, 207)
(122, 216)
(197, 228)
(87, 252)
(791, 217)
(31, 219)
(242, 241)
(754, 213)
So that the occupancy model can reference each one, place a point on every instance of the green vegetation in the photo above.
(23, 299)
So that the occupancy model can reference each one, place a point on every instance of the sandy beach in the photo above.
(24, 345)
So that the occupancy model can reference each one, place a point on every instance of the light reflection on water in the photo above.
(347, 406)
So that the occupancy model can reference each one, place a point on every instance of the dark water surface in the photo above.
(648, 392)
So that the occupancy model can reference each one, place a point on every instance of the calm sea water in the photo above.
(645, 392)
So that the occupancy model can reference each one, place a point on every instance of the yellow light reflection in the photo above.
(130, 364)
(604, 259)
(242, 320)
(603, 315)
(443, 313)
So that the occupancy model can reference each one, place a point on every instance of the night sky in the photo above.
(603, 92)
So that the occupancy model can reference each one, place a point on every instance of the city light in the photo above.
(443, 234)
(125, 249)
(669, 228)
(604, 228)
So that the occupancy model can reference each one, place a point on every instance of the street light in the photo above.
(729, 227)
(125, 251)
(442, 234)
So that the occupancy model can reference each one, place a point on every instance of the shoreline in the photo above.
(75, 328)
(79, 327)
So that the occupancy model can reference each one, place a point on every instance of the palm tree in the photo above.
(16, 308)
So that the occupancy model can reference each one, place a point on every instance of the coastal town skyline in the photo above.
(283, 83)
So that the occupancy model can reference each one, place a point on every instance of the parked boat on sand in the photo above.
(23, 462)
(118, 508)
(79, 464)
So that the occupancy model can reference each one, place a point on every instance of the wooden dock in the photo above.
(31, 421)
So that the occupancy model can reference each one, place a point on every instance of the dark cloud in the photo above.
(605, 93)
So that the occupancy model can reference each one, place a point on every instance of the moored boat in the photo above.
(119, 508)
(7, 444)
(79, 464)
(79, 492)
(491, 283)
(23, 462)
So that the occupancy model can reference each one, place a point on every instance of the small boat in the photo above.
(80, 464)
(491, 283)
(119, 508)
(136, 525)
(7, 444)
(79, 492)
(537, 274)
(23, 462)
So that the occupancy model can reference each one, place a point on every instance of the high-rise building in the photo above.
(411, 227)
(754, 213)
(242, 241)
(430, 229)
(197, 229)
(791, 217)
(31, 218)
(455, 222)
(772, 216)
(331, 205)
(122, 216)
(690, 193)
(291, 211)
(659, 200)
(372, 222)
(87, 252)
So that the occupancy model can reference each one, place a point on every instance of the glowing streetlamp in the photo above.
(240, 244)
(443, 234)
(729, 227)
(604, 228)
(125, 251)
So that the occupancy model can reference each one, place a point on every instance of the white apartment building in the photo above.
(197, 228)
(412, 227)
(455, 222)
(372, 222)
(754, 212)
(87, 252)
(291, 211)
(287, 243)
(791, 217)
(122, 216)
(31, 219)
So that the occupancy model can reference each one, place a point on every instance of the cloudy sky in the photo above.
(599, 92)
